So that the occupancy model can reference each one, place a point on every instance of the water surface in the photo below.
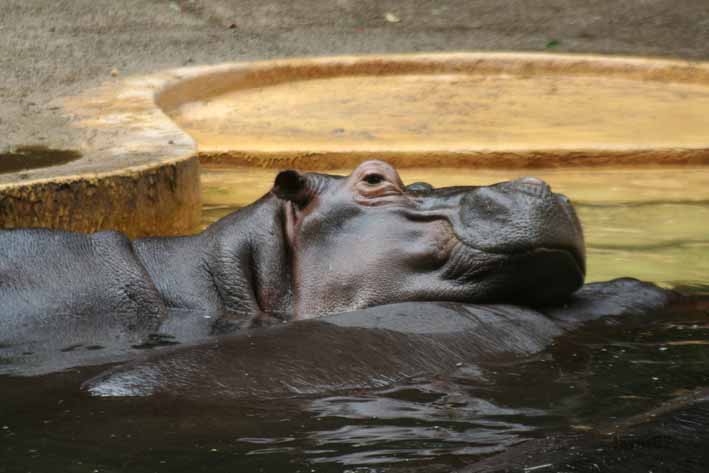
(597, 375)
(651, 224)
(24, 158)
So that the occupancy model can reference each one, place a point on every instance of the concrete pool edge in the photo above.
(139, 171)
(202, 84)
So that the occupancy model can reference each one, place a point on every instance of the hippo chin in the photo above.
(314, 245)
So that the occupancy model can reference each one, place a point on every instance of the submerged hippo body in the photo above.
(315, 245)
(371, 348)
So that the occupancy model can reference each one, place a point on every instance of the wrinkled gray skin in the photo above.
(315, 245)
(378, 242)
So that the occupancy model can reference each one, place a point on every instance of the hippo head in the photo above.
(367, 239)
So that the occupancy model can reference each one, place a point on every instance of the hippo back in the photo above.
(367, 348)
(61, 290)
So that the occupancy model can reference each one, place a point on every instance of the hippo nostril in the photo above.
(531, 180)
(532, 186)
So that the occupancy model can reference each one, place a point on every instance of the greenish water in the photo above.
(599, 374)
(651, 225)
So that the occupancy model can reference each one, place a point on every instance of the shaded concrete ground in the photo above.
(54, 49)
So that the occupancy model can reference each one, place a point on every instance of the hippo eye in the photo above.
(373, 179)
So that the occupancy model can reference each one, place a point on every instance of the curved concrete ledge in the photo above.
(310, 146)
(138, 172)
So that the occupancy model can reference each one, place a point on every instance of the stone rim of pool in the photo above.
(314, 147)
(139, 171)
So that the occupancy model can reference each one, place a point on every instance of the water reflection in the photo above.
(642, 223)
(415, 422)
(604, 371)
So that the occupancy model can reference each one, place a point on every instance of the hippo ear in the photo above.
(290, 185)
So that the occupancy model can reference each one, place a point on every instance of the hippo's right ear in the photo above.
(290, 185)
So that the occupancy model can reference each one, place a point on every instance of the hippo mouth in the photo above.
(538, 276)
(547, 276)
(577, 258)
(535, 255)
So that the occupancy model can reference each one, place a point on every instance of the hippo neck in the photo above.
(248, 260)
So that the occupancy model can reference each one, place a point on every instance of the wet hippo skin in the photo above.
(315, 245)
(376, 240)
(369, 348)
(387, 283)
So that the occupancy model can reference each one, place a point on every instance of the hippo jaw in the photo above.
(367, 239)
(519, 241)
(536, 277)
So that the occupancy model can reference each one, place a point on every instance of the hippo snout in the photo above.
(532, 233)
(520, 216)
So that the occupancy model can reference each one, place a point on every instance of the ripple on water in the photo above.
(599, 373)
(648, 224)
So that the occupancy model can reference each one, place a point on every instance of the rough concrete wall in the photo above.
(163, 200)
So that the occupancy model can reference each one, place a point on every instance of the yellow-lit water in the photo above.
(652, 224)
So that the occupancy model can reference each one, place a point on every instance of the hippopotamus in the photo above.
(315, 245)
(386, 282)
(372, 348)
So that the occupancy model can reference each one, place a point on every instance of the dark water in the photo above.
(605, 371)
(653, 226)
(25, 158)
